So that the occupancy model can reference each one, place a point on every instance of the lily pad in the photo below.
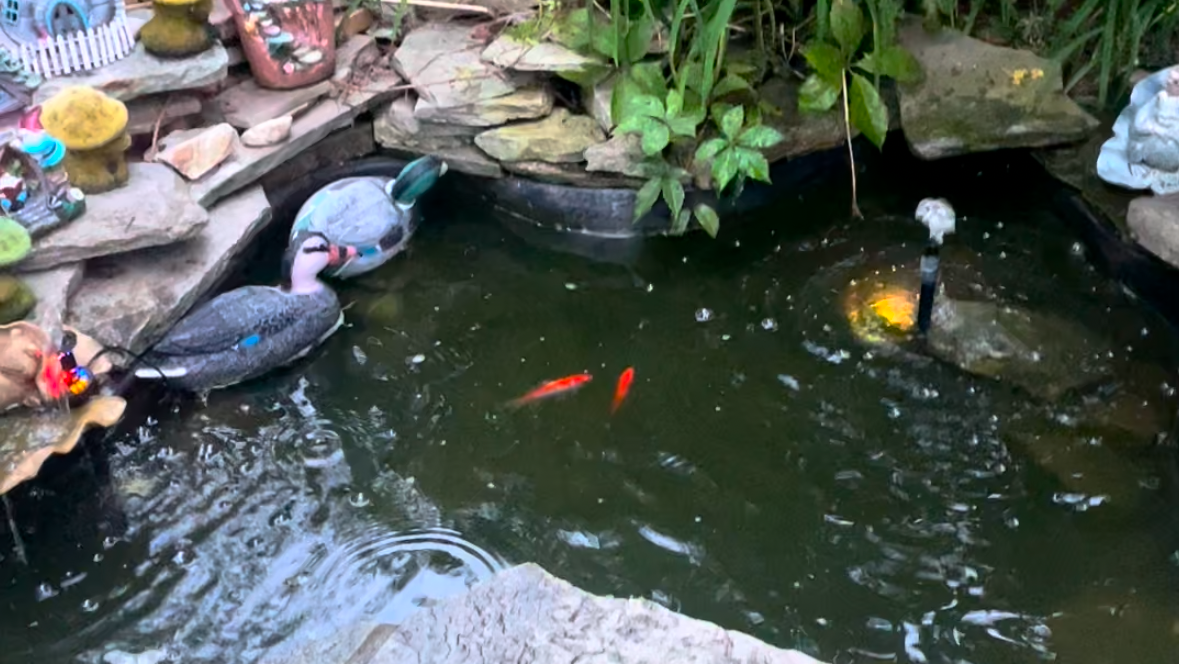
(28, 438)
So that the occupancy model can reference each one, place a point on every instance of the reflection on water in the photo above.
(769, 471)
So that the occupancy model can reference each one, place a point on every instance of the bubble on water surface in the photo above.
(769, 324)
(703, 315)
(789, 381)
(359, 355)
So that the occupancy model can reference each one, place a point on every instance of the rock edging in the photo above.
(526, 615)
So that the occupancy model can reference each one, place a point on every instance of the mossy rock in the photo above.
(16, 299)
(15, 242)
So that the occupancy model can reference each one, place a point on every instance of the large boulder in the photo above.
(526, 615)
(976, 97)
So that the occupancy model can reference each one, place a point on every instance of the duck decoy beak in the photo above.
(338, 255)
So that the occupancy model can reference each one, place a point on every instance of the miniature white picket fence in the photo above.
(80, 51)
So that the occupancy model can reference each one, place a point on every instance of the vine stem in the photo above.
(855, 206)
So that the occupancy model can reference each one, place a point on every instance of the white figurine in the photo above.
(1144, 150)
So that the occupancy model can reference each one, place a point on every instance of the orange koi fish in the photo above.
(552, 388)
(620, 392)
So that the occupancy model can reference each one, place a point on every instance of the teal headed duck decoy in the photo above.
(375, 214)
(251, 330)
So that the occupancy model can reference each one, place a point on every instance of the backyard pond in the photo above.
(770, 471)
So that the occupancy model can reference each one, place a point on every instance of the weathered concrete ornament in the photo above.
(34, 190)
(60, 37)
(1144, 150)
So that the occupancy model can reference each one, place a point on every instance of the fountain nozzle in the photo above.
(938, 216)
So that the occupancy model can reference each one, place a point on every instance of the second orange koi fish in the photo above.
(620, 392)
(552, 388)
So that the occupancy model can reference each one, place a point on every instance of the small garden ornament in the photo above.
(1144, 150)
(178, 28)
(93, 127)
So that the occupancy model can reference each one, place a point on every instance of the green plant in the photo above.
(736, 153)
(664, 99)
(838, 75)
(1107, 35)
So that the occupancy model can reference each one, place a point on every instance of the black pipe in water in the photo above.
(930, 258)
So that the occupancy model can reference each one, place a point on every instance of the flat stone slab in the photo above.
(442, 61)
(154, 208)
(248, 164)
(131, 300)
(976, 97)
(1154, 223)
(143, 113)
(53, 289)
(142, 73)
(803, 133)
(525, 615)
(246, 105)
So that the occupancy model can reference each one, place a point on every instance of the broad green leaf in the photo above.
(637, 124)
(706, 217)
(571, 30)
(760, 137)
(675, 104)
(709, 149)
(817, 94)
(692, 73)
(673, 193)
(604, 42)
(825, 60)
(717, 111)
(648, 105)
(894, 62)
(867, 111)
(684, 125)
(847, 25)
(731, 122)
(625, 90)
(728, 84)
(638, 37)
(655, 138)
(753, 164)
(681, 222)
(646, 197)
(649, 77)
(724, 168)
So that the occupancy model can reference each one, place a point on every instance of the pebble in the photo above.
(311, 57)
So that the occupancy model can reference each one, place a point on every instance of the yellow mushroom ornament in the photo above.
(93, 128)
(178, 28)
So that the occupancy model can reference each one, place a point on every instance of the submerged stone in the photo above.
(1041, 353)
(976, 97)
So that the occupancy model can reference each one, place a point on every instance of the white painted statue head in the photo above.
(938, 216)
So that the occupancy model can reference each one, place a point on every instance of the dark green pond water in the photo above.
(769, 472)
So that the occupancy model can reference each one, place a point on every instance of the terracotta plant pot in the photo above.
(288, 44)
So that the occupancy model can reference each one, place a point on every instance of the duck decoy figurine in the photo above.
(375, 214)
(248, 331)
(1144, 150)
